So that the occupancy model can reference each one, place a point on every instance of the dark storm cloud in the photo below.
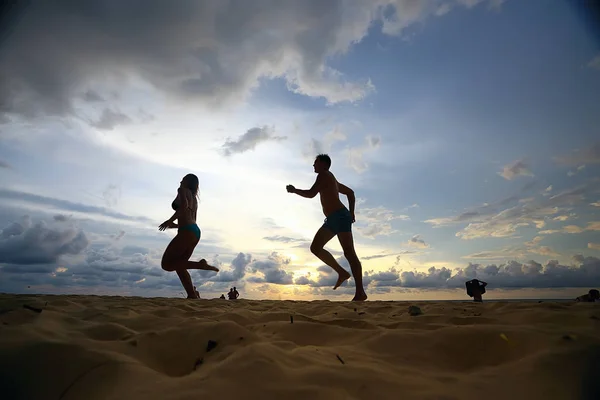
(68, 206)
(272, 270)
(212, 51)
(237, 271)
(585, 272)
(26, 243)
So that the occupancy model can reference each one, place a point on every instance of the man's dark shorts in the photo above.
(339, 221)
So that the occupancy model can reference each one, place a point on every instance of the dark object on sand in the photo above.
(198, 363)
(414, 311)
(211, 345)
(340, 358)
(34, 309)
(590, 297)
(291, 319)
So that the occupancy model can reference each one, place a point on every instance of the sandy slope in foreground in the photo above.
(90, 347)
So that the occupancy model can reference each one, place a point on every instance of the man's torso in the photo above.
(329, 193)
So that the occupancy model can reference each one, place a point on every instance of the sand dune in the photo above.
(91, 347)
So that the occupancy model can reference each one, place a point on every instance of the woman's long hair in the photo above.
(192, 183)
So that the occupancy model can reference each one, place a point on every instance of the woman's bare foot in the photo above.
(341, 279)
(204, 265)
(360, 297)
(196, 294)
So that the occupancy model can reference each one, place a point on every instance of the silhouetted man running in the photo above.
(338, 222)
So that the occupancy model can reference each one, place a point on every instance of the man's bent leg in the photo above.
(347, 243)
(321, 238)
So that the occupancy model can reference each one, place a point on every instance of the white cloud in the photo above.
(373, 222)
(111, 195)
(591, 226)
(109, 119)
(579, 169)
(515, 252)
(527, 200)
(594, 62)
(544, 251)
(487, 221)
(249, 140)
(514, 170)
(443, 9)
(588, 155)
(408, 12)
(355, 155)
(325, 145)
(418, 242)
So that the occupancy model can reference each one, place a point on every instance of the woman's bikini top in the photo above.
(175, 205)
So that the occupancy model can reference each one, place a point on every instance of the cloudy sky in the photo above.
(467, 128)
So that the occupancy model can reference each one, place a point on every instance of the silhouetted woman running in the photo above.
(177, 255)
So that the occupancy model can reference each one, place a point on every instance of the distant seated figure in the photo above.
(592, 296)
(222, 297)
(475, 289)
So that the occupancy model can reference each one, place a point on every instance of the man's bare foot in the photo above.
(341, 279)
(207, 267)
(360, 297)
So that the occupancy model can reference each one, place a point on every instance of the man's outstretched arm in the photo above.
(343, 189)
(310, 193)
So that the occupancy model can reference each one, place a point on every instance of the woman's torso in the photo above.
(188, 214)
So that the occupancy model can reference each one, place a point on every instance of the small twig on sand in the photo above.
(291, 319)
(34, 309)
(340, 358)
(210, 345)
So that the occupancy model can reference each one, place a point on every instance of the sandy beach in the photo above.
(93, 347)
